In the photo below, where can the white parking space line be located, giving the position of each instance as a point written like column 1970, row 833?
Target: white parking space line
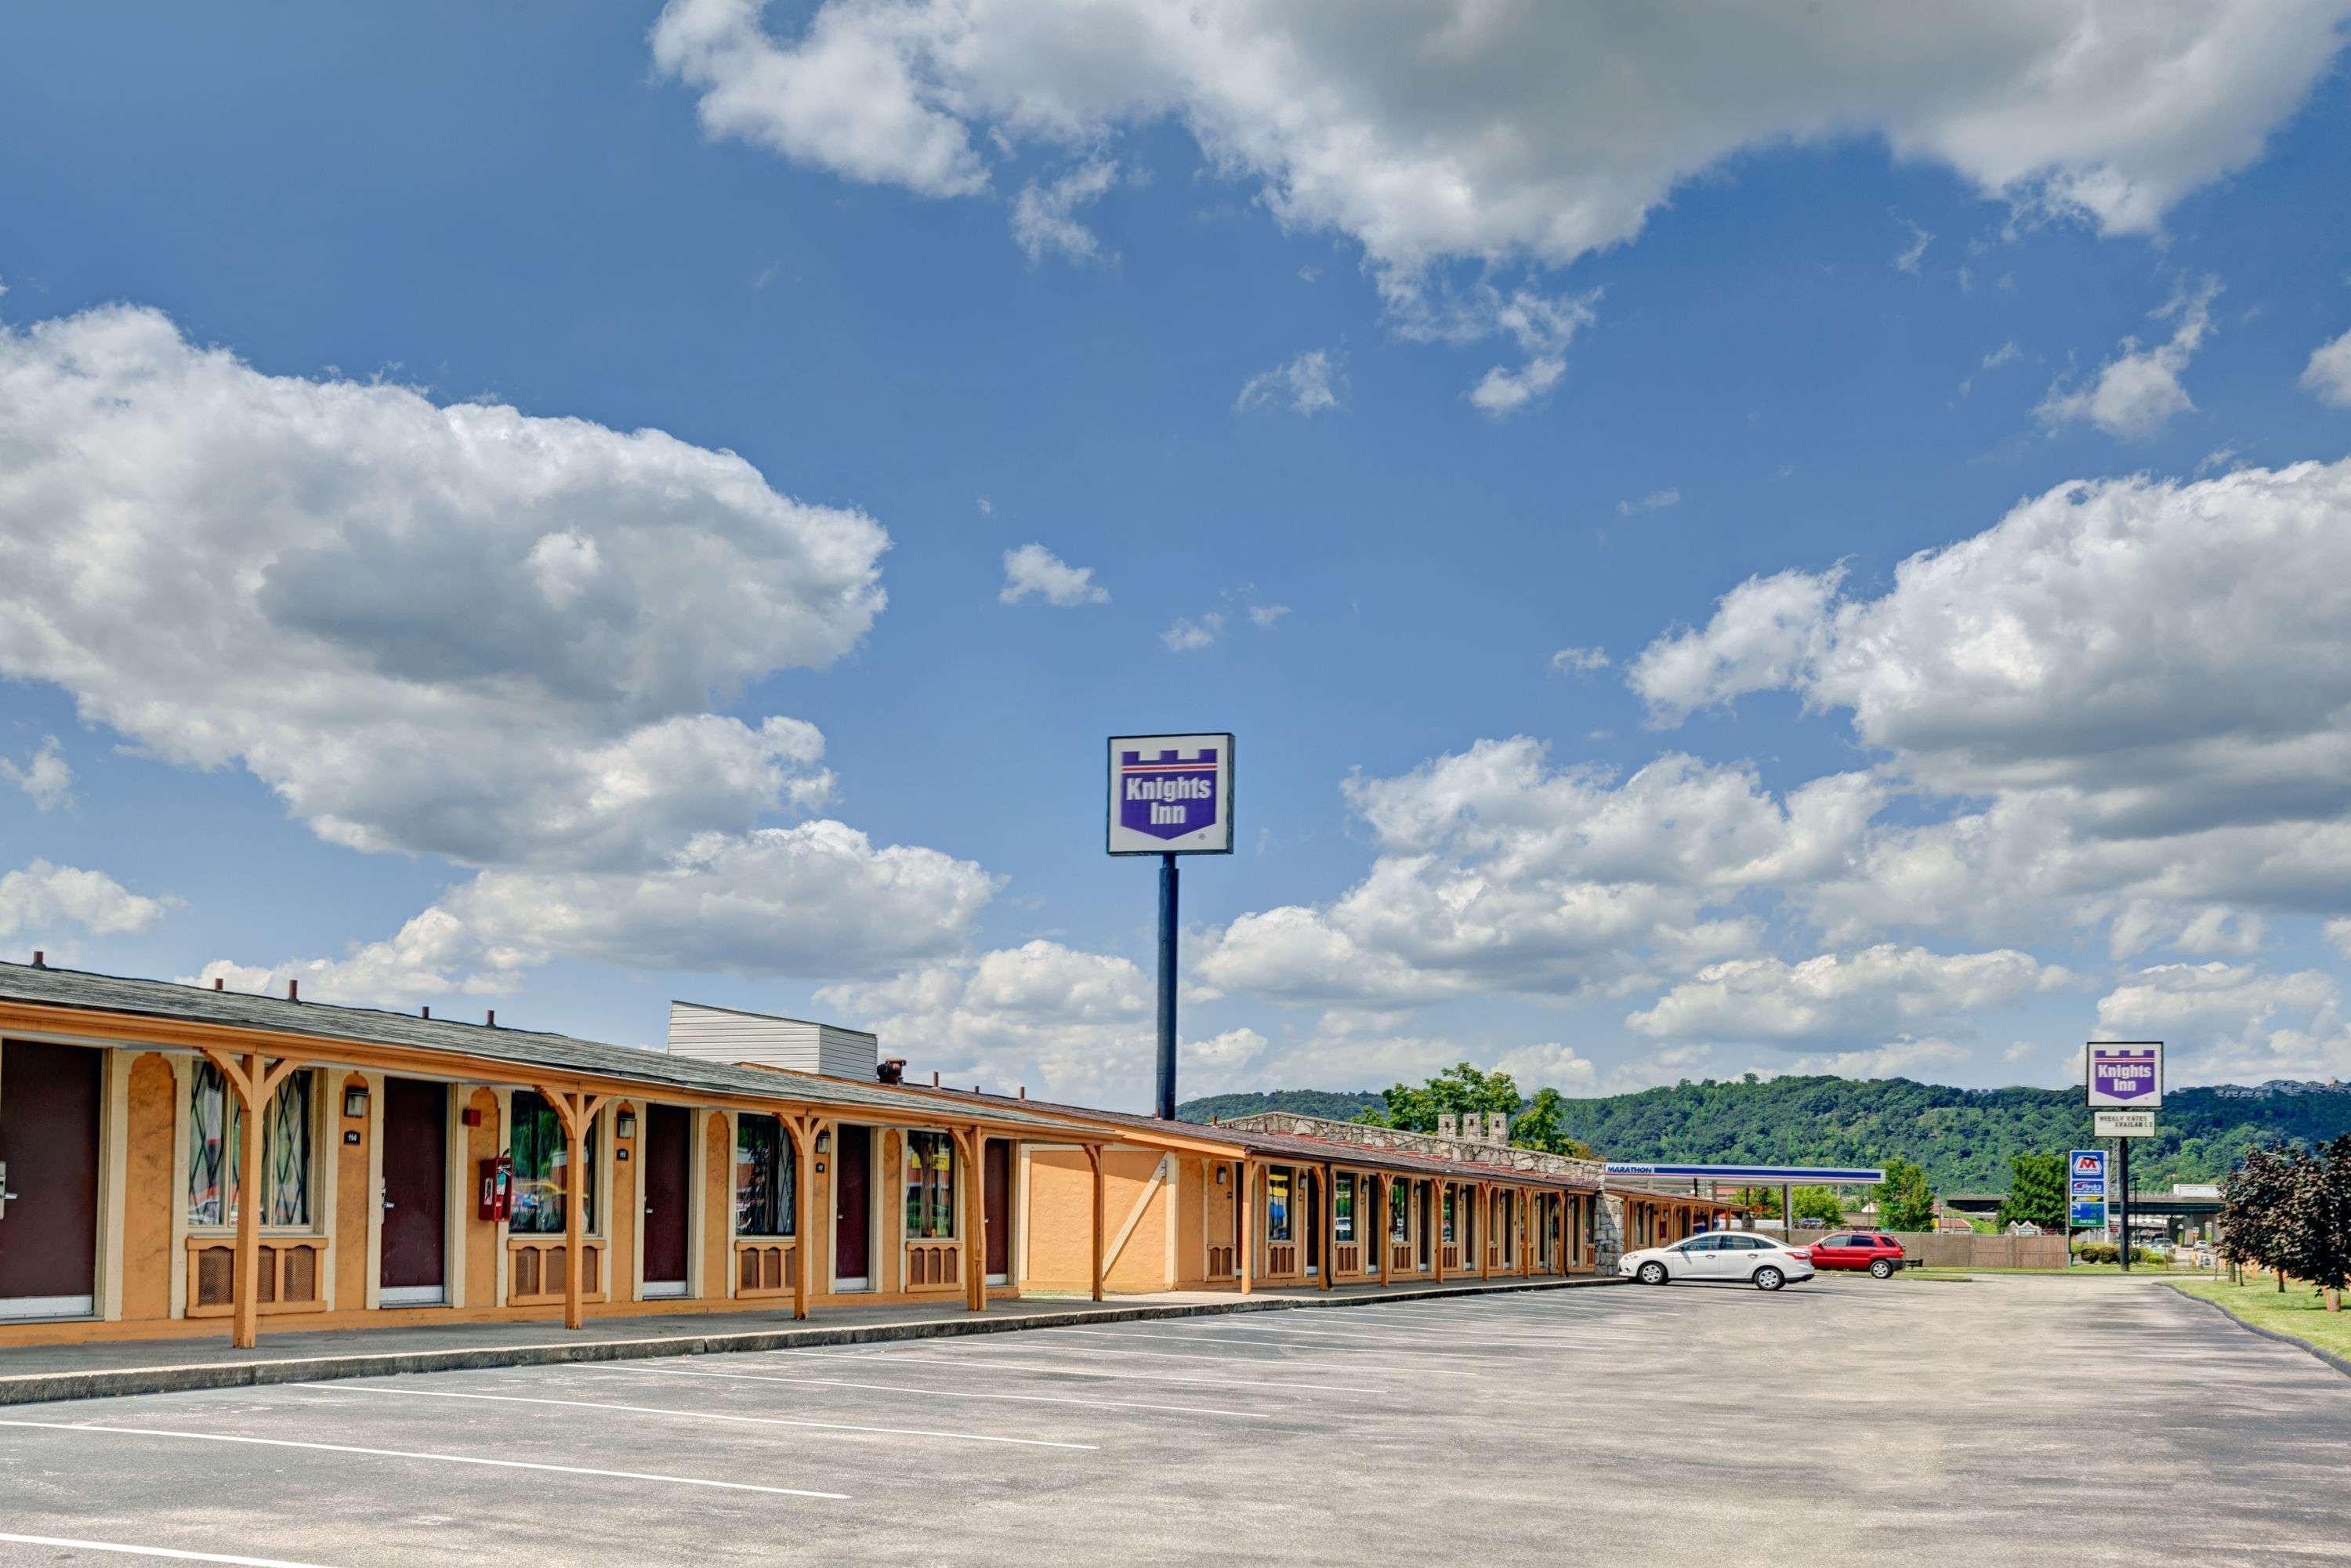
column 1231, row 1344
column 1034, row 1369
column 1351, row 1337
column 693, row 1414
column 949, row 1393
column 407, row 1454
column 120, row 1549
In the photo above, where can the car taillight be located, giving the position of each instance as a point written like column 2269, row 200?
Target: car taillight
column 1802, row 1254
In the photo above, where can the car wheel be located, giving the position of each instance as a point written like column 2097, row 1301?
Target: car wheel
column 1651, row 1274
column 1881, row 1269
column 1767, row 1278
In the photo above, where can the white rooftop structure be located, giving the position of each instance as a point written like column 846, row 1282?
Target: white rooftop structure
column 724, row 1034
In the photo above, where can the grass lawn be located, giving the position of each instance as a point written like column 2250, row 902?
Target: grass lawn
column 2298, row 1313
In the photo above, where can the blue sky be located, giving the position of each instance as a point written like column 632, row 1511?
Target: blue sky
column 1509, row 420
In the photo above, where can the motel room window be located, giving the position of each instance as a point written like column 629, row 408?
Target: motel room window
column 1343, row 1207
column 1399, row 1198
column 930, row 1187
column 216, row 1145
column 765, row 1198
column 1277, row 1203
column 538, row 1170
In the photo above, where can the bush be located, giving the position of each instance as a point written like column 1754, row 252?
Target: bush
column 2109, row 1252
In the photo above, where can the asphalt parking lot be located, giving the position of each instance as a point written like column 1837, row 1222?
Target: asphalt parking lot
column 1844, row 1421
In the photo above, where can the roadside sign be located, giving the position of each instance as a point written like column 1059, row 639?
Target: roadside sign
column 2123, row 1123
column 1171, row 794
column 2127, row 1073
column 2086, row 1188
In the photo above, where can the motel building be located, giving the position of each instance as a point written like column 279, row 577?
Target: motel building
column 407, row 1169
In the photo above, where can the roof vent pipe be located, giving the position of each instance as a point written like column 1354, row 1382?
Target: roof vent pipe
column 493, row 1022
column 935, row 1079
column 1024, row 1091
column 219, row 984
column 293, row 990
column 39, row 959
column 427, row 1012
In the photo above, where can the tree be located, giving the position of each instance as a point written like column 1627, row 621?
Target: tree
column 2036, row 1192
column 1905, row 1201
column 2314, row 1220
column 1459, row 1088
column 1539, row 1126
column 1818, row 1203
column 2252, row 1202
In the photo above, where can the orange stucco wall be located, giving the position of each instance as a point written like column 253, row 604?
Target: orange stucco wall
column 621, row 1227
column 147, row 1218
column 1060, row 1220
column 1191, row 1262
column 482, row 1142
column 352, row 1190
column 717, row 1203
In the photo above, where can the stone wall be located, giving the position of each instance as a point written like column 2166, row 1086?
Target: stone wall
column 1532, row 1161
column 1608, row 1232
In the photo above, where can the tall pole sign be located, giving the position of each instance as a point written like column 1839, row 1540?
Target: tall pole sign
column 1170, row 795
column 2123, row 1075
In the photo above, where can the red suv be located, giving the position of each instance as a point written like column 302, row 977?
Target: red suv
column 1870, row 1250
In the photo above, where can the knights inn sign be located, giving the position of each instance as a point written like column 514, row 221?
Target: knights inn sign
column 2126, row 1073
column 1171, row 794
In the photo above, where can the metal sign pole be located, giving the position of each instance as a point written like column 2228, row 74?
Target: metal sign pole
column 1167, row 988
column 2122, row 1172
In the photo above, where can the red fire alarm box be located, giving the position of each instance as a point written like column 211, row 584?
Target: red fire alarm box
column 498, row 1189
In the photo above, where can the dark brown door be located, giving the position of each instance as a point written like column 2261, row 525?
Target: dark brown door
column 668, row 1176
column 997, row 1200
column 415, row 1190
column 48, row 1144
column 852, row 1170
column 1313, row 1180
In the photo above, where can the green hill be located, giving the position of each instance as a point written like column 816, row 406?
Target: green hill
column 1962, row 1136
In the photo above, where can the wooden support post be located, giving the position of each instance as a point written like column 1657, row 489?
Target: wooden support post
column 803, row 1129
column 1330, row 1226
column 254, row 1082
column 975, row 1229
column 1438, row 1193
column 246, row 1328
column 576, row 1111
column 1248, row 1238
column 1094, row 1158
column 1520, row 1219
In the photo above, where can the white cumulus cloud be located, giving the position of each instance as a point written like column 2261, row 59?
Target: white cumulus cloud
column 45, row 776
column 2328, row 377
column 43, row 897
column 1032, row 572
column 2136, row 390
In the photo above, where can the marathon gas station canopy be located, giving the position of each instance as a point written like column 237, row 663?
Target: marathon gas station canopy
column 1631, row 1173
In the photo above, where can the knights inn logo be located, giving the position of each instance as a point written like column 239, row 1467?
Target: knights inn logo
column 1169, row 796
column 2119, row 1076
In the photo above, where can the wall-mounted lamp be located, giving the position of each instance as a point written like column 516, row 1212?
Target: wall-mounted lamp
column 824, row 1143
column 625, row 1124
column 1220, row 1175
column 355, row 1100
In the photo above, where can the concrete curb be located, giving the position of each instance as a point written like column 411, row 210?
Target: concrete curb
column 2340, row 1364
column 42, row 1387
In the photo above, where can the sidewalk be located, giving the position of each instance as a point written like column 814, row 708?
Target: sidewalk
column 35, row 1373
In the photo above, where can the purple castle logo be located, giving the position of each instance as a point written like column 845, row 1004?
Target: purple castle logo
column 1168, row 796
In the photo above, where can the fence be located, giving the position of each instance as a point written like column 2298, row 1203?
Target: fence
column 1944, row 1249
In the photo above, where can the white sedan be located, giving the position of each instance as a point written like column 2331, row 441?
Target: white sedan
column 1728, row 1255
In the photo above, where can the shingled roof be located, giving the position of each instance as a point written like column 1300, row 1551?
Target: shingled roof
column 524, row 1049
